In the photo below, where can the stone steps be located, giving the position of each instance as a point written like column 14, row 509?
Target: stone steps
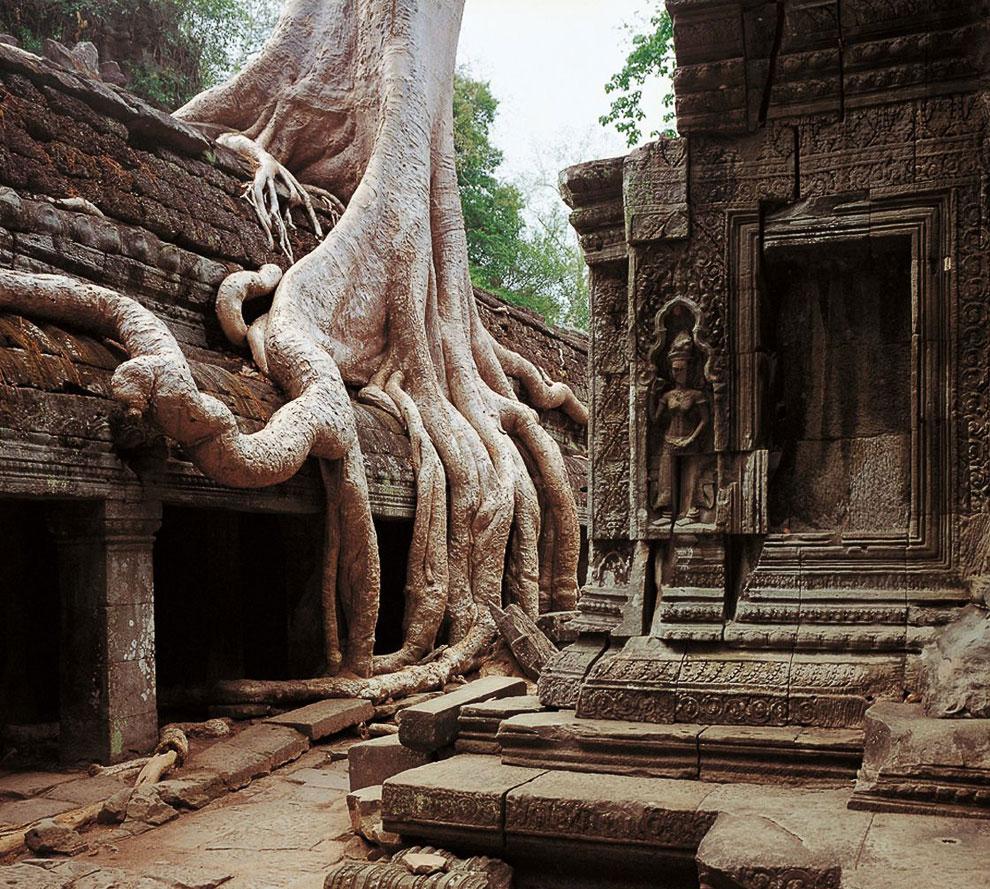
column 757, row 754
column 590, row 830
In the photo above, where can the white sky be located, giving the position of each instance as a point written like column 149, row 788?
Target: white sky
column 548, row 62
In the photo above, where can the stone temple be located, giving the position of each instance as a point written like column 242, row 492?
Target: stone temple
column 778, row 673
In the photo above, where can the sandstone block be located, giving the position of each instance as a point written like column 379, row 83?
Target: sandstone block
column 325, row 718
column 365, row 808
column 191, row 791
column 279, row 743
column 371, row 762
column 115, row 808
column 915, row 763
column 433, row 724
column 235, row 766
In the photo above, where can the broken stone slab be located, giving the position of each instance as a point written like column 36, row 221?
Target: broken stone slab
column 365, row 808
column 916, row 763
column 115, row 808
column 279, row 743
column 325, row 718
column 147, row 806
column 433, row 724
column 48, row 837
column 235, row 766
column 746, row 851
column 457, row 801
column 528, row 643
column 372, row 761
column 450, row 873
column 478, row 724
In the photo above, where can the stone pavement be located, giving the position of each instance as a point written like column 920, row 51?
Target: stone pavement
column 281, row 832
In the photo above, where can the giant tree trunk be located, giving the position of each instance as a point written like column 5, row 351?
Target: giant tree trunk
column 355, row 96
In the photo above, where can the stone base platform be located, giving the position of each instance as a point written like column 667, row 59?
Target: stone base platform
column 919, row 765
column 566, row 828
column 649, row 680
column 759, row 754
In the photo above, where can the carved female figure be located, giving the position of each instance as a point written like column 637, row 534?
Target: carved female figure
column 685, row 414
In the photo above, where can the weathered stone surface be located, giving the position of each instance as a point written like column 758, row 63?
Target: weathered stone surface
column 915, row 763
column 459, row 799
column 24, row 811
column 279, row 744
column 371, row 762
column 957, row 667
column 235, row 766
column 747, row 851
column 325, row 718
column 48, row 837
column 433, row 724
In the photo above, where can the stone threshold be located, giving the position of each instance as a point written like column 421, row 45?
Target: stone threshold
column 756, row 754
column 594, row 829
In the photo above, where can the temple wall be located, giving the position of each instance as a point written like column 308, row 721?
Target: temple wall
column 810, row 252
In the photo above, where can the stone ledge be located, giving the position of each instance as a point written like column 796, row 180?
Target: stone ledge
column 757, row 754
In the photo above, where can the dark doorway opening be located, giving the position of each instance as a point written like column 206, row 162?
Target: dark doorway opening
column 29, row 626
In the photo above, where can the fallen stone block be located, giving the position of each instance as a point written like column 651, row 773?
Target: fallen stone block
column 236, row 766
column 371, row 762
column 365, row 808
column 325, row 718
column 529, row 644
column 147, row 806
column 433, row 724
column 191, row 791
column 115, row 808
column 279, row 743
column 48, row 837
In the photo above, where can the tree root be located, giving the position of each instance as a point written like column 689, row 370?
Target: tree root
column 262, row 193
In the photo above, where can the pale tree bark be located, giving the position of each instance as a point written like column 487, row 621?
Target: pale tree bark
column 354, row 97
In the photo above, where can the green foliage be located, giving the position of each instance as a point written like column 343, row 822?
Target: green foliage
column 652, row 55
column 536, row 266
column 169, row 50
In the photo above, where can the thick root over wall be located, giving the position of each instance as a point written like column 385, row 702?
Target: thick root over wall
column 354, row 97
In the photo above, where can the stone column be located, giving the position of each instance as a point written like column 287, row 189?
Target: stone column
column 108, row 706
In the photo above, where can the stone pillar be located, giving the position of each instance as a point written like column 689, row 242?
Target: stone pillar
column 107, row 702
